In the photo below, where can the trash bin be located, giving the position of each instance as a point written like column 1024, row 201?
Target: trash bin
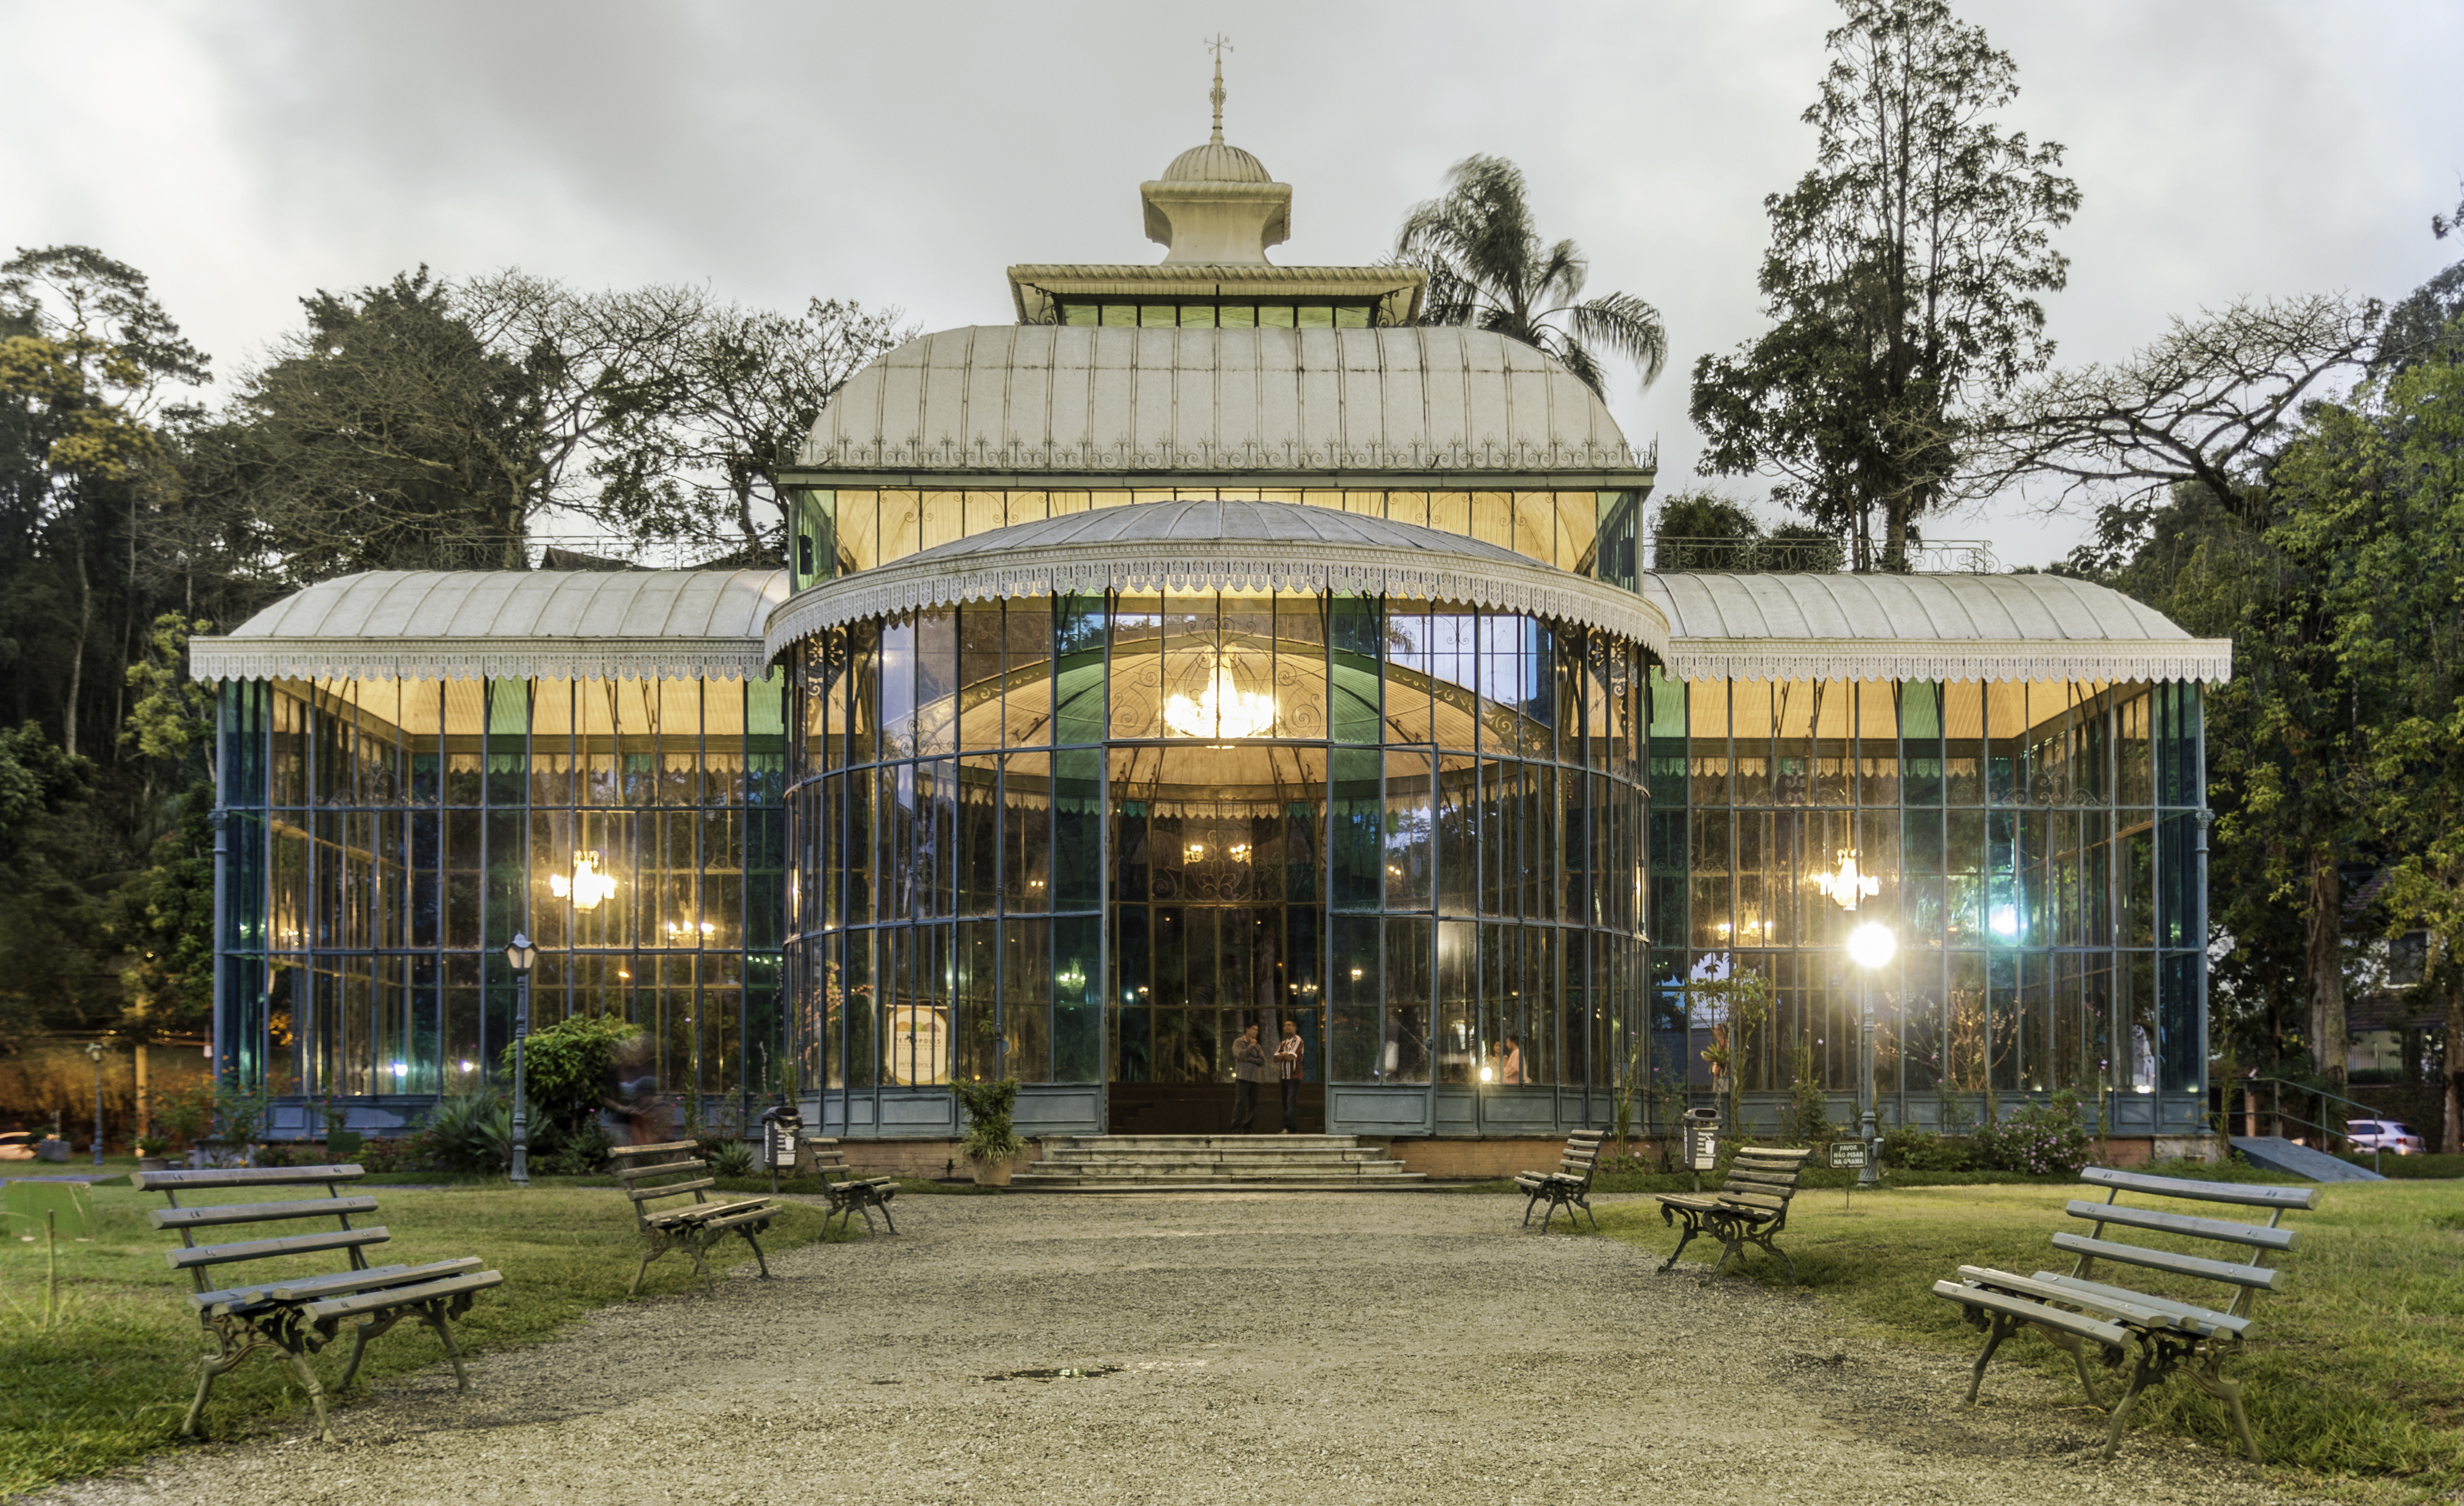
column 1701, row 1139
column 781, row 1124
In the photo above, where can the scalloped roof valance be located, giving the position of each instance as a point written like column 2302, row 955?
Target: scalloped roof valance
column 1226, row 546
column 505, row 624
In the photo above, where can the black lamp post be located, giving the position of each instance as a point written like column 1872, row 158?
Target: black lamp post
column 93, row 1051
column 522, row 956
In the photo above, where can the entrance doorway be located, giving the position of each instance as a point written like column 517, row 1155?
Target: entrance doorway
column 1216, row 923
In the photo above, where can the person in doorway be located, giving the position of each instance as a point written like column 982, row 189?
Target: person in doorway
column 1288, row 1069
column 1249, row 1069
column 1512, row 1071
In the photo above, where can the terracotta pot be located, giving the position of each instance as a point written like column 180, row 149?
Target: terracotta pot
column 993, row 1173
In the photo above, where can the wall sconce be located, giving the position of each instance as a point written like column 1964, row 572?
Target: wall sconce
column 587, row 888
column 1848, row 886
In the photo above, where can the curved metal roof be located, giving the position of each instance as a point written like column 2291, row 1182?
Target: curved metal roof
column 1064, row 399
column 510, row 624
column 1217, row 546
column 1821, row 626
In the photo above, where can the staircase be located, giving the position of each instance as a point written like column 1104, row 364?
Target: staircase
column 2275, row 1153
column 1214, row 1163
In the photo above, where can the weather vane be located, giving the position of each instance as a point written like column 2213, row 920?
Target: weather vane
column 1219, row 44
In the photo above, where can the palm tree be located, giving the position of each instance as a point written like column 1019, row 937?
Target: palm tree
column 1489, row 267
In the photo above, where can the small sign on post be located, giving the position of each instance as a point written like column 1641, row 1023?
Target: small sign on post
column 1848, row 1155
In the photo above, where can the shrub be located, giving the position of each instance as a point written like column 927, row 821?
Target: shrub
column 2041, row 1139
column 734, row 1159
column 1916, row 1150
column 471, row 1132
column 566, row 1069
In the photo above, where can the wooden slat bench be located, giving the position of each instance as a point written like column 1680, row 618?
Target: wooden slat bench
column 1570, row 1185
column 1749, row 1208
column 847, row 1193
column 300, row 1315
column 2167, row 1334
column 696, row 1227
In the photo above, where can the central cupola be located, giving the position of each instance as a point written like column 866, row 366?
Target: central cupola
column 1216, row 205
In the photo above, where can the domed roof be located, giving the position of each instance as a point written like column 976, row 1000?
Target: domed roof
column 1069, row 399
column 1216, row 161
column 1201, row 546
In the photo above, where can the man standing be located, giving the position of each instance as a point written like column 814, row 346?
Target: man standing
column 1249, row 1069
column 1288, row 1065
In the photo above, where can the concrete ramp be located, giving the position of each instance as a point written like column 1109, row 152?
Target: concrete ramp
column 2275, row 1153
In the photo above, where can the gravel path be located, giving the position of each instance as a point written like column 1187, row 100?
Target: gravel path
column 1319, row 1347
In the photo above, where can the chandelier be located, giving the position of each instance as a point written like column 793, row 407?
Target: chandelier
column 1223, row 710
column 1849, row 885
column 587, row 887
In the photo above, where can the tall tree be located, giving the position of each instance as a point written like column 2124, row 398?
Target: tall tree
column 1903, row 282
column 1489, row 267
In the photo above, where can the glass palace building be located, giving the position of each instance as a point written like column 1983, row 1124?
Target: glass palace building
column 1216, row 645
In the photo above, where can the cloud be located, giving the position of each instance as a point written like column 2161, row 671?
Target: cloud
column 246, row 153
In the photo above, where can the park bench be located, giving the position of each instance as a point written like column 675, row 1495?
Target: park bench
column 1570, row 1185
column 694, row 1228
column 1749, row 1208
column 846, row 1193
column 2077, row 1314
column 299, row 1315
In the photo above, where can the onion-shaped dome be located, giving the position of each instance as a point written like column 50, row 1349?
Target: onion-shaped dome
column 1216, row 161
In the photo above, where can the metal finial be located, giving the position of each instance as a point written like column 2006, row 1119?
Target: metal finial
column 1219, row 44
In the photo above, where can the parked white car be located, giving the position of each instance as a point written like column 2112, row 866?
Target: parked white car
column 2386, row 1135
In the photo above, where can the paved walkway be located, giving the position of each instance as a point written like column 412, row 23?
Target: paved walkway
column 1328, row 1347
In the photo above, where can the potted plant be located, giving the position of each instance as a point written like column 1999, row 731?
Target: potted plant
column 992, row 1143
column 149, row 1153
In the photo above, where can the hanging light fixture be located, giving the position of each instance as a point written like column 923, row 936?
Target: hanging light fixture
column 1850, row 885
column 588, row 887
column 1222, row 710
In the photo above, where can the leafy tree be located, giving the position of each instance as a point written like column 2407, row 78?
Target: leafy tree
column 1489, row 267
column 1901, row 281
column 1700, row 530
column 753, row 381
column 2204, row 405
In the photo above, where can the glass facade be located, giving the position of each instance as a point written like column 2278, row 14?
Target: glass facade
column 2035, row 850
column 850, row 529
column 1084, row 840
column 386, row 839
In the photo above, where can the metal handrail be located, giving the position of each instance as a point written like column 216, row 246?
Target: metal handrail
column 2277, row 1112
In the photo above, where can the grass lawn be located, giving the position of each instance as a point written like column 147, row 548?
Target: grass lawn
column 111, row 1381
column 2355, row 1369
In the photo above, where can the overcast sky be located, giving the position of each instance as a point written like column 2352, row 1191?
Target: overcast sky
column 243, row 154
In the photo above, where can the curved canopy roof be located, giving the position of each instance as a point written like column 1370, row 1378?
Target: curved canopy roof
column 506, row 624
column 1814, row 625
column 1075, row 400
column 1227, row 545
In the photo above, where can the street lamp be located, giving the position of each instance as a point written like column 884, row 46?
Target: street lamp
column 1870, row 946
column 93, row 1053
column 522, row 956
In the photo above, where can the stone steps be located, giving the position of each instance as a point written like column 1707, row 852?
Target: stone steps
column 1204, row 1162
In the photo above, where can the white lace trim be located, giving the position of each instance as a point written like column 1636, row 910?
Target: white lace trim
column 949, row 454
column 477, row 658
column 1234, row 564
